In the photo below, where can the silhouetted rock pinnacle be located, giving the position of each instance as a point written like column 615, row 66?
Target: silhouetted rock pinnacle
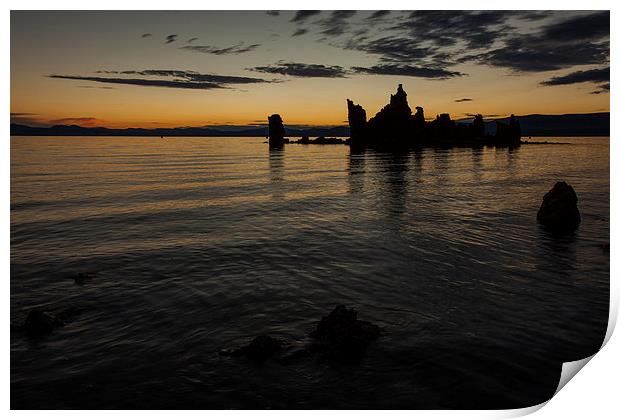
column 478, row 127
column 276, row 130
column 357, row 119
column 395, row 127
column 508, row 134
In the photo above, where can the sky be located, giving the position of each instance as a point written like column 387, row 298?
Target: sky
column 203, row 68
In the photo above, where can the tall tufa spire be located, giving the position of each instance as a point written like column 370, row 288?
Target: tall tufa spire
column 400, row 97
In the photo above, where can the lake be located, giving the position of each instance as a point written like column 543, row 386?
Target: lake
column 200, row 244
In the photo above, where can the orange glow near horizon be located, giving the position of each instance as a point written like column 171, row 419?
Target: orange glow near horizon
column 110, row 45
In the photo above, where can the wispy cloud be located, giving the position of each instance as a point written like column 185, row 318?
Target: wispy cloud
column 336, row 23
column 82, row 121
column 27, row 118
column 595, row 75
column 604, row 88
column 95, row 87
column 300, row 31
column 443, row 40
column 379, row 14
column 302, row 70
column 406, row 70
column 578, row 40
column 209, row 49
column 179, row 79
column 302, row 15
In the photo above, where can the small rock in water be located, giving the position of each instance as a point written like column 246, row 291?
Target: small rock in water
column 559, row 210
column 40, row 323
column 260, row 349
column 81, row 278
column 342, row 337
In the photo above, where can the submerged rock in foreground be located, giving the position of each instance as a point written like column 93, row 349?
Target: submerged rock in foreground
column 39, row 323
column 338, row 337
column 342, row 337
column 558, row 210
column 260, row 349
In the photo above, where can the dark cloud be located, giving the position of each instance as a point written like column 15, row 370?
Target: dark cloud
column 378, row 15
column 302, row 70
column 578, row 40
column 146, row 35
column 589, row 27
column 595, row 75
column 464, row 100
column 604, row 88
column 273, row 12
column 532, row 14
column 336, row 23
column 171, row 38
column 166, row 78
column 188, row 76
column 443, row 28
column 189, row 41
column 302, row 15
column 389, row 49
column 27, row 118
column 443, row 39
column 234, row 49
column 300, row 31
column 142, row 82
column 406, row 70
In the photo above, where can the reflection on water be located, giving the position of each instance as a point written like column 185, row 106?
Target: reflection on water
column 200, row 244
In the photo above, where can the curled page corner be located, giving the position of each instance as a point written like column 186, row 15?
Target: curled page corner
column 569, row 370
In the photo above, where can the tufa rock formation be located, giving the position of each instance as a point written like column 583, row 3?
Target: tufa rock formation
column 276, row 130
column 558, row 210
column 508, row 134
column 357, row 119
column 395, row 126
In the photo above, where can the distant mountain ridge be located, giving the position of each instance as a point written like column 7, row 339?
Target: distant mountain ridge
column 594, row 124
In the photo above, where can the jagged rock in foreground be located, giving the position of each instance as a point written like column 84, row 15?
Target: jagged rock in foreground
column 558, row 210
column 276, row 130
column 340, row 336
column 39, row 323
column 260, row 349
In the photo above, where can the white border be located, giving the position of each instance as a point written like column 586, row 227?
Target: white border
column 593, row 394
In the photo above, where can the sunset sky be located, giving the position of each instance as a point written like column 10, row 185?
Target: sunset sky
column 170, row 69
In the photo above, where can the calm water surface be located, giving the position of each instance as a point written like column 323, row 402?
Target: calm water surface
column 200, row 244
